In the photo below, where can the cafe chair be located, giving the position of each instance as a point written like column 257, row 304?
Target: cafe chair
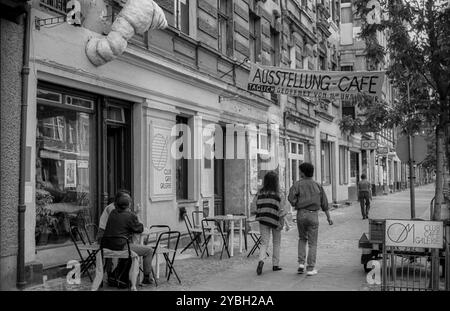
column 211, row 228
column 105, row 253
column 152, row 235
column 237, row 230
column 194, row 235
column 88, row 246
column 167, row 245
column 254, row 233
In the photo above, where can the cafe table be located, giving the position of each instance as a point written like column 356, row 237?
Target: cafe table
column 222, row 219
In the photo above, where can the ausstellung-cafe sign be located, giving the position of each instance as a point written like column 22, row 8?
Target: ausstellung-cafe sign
column 318, row 84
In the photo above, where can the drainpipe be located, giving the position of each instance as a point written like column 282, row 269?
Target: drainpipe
column 23, row 134
column 286, row 156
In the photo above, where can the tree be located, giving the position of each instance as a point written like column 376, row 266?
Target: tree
column 417, row 54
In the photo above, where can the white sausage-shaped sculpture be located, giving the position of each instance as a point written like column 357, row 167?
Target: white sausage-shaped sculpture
column 137, row 16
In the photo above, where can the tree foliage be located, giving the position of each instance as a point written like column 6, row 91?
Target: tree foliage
column 417, row 51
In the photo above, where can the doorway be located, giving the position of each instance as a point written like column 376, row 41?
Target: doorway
column 219, row 179
column 118, row 150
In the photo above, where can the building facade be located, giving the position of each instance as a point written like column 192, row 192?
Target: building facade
column 94, row 130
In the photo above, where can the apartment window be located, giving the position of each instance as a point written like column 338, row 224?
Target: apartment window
column 343, row 165
column 224, row 16
column 347, row 68
column 322, row 63
column 255, row 38
column 182, row 172
column 326, row 162
column 182, row 15
column 347, row 15
column 274, row 47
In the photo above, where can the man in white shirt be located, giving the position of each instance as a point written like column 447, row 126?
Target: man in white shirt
column 104, row 217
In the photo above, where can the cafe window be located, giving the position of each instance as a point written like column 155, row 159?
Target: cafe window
column 326, row 162
column 64, row 164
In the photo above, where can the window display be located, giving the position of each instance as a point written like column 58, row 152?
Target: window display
column 63, row 167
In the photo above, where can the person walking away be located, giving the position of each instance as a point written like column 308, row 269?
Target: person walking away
column 270, row 214
column 308, row 197
column 122, row 222
column 364, row 196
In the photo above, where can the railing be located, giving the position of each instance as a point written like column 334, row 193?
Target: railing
column 54, row 5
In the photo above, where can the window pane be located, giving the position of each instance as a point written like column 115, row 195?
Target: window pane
column 184, row 16
column 63, row 172
column 294, row 168
column 182, row 167
column 346, row 15
column 293, row 148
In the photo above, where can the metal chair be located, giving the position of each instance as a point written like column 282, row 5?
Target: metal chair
column 211, row 228
column 156, row 230
column 194, row 235
column 127, row 253
column 168, row 249
column 255, row 235
column 89, row 245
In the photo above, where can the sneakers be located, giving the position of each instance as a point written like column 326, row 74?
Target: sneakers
column 276, row 268
column 301, row 268
column 259, row 268
column 312, row 272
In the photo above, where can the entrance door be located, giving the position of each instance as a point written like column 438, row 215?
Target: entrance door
column 118, row 150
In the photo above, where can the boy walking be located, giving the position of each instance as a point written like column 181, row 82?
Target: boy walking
column 308, row 197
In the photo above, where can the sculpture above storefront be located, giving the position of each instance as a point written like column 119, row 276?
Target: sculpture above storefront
column 136, row 17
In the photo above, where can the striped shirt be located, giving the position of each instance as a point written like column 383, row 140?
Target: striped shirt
column 267, row 209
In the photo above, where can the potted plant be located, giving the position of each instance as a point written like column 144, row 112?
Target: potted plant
column 44, row 218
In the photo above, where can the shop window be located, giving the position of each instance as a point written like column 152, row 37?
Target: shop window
column 326, row 162
column 343, row 165
column 182, row 165
column 63, row 168
column 224, row 18
column 296, row 157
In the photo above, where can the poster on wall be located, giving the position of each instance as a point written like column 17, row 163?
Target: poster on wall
column 70, row 173
column 161, row 171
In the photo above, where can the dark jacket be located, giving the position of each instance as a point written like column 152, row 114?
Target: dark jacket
column 308, row 194
column 120, row 223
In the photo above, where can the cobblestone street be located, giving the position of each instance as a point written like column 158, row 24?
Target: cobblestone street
column 338, row 256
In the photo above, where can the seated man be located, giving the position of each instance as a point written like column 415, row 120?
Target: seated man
column 122, row 222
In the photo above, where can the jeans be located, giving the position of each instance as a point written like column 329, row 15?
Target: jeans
column 146, row 252
column 265, row 237
column 364, row 200
column 308, row 232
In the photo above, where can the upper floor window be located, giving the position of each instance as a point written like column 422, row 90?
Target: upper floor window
column 274, row 47
column 177, row 13
column 224, row 18
column 255, row 38
column 347, row 15
column 347, row 68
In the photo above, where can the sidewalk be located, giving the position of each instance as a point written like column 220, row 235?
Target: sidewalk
column 338, row 258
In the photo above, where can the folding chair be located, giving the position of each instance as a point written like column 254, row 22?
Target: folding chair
column 81, row 233
column 255, row 235
column 155, row 230
column 194, row 235
column 168, row 249
column 211, row 228
column 120, row 254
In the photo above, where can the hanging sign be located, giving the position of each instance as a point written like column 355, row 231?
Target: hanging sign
column 318, row 84
column 369, row 144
